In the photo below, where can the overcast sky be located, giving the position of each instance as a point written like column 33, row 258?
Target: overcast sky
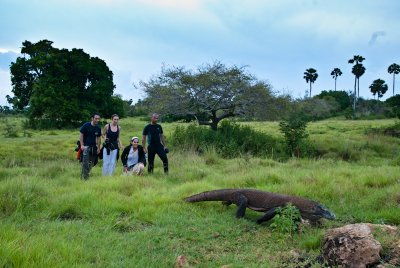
column 276, row 40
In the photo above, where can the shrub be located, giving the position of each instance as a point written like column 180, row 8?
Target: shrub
column 294, row 131
column 10, row 130
column 230, row 140
column 287, row 219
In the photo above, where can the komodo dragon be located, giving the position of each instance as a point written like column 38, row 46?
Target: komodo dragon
column 264, row 202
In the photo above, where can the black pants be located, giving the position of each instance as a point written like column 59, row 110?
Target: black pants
column 152, row 151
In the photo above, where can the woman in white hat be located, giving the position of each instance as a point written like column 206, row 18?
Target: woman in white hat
column 133, row 158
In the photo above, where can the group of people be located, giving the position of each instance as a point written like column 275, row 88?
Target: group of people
column 133, row 156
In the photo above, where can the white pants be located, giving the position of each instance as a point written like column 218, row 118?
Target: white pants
column 137, row 169
column 109, row 162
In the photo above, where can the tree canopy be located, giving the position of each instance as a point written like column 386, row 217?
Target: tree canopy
column 310, row 75
column 378, row 87
column 61, row 85
column 211, row 93
column 394, row 69
column 336, row 72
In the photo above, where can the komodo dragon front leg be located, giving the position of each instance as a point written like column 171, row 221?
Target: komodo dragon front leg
column 241, row 202
column 268, row 215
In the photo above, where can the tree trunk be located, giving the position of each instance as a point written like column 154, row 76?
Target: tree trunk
column 394, row 80
column 358, row 87
column 335, row 83
column 310, row 89
column 354, row 97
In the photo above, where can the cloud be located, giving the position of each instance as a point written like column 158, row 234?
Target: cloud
column 375, row 36
column 6, row 57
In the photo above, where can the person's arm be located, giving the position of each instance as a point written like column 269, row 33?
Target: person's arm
column 105, row 132
column 144, row 143
column 124, row 159
column 118, row 139
column 164, row 140
column 81, row 141
column 98, row 143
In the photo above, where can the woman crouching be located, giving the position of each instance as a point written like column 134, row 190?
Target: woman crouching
column 133, row 158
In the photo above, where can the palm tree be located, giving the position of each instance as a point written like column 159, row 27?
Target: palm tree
column 394, row 69
column 357, row 71
column 310, row 75
column 335, row 73
column 378, row 87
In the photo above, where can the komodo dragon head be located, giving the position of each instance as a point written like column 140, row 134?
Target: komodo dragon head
column 316, row 212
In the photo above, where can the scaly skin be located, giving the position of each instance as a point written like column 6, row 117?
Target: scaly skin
column 264, row 202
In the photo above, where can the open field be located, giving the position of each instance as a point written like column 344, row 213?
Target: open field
column 51, row 218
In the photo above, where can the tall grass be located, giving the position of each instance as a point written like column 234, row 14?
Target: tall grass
column 51, row 218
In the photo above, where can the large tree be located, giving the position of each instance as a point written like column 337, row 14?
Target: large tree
column 394, row 69
column 210, row 93
column 358, row 70
column 310, row 75
column 335, row 73
column 378, row 87
column 61, row 85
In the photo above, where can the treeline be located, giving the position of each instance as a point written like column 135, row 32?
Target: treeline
column 61, row 88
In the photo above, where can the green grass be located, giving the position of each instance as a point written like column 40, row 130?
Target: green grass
column 51, row 218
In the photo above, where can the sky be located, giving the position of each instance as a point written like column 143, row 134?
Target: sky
column 277, row 40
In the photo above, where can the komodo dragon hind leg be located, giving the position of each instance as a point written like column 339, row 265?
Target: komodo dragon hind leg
column 268, row 215
column 226, row 203
column 242, row 205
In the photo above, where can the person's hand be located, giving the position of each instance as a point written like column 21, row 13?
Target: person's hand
column 98, row 150
column 82, row 148
column 145, row 150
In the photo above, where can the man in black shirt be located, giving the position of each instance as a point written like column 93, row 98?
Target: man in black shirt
column 153, row 133
column 90, row 138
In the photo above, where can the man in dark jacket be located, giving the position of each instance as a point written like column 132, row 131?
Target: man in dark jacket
column 90, row 138
column 154, row 135
column 133, row 158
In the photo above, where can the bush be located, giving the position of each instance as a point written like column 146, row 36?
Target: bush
column 287, row 219
column 230, row 140
column 10, row 130
column 294, row 131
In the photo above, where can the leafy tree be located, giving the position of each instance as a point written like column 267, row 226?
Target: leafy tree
column 378, row 87
column 358, row 70
column 310, row 75
column 61, row 86
column 335, row 73
column 294, row 131
column 211, row 93
column 394, row 69
column 341, row 97
column 394, row 104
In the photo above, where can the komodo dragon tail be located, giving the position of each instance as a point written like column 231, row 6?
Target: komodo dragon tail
column 215, row 195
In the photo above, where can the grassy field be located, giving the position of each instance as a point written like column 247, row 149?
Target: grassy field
column 51, row 218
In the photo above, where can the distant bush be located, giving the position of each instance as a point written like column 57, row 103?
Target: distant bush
column 10, row 130
column 230, row 140
column 294, row 131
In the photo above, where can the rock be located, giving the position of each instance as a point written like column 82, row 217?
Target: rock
column 351, row 246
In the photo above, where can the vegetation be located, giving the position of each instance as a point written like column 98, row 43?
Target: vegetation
column 378, row 87
column 61, row 88
column 310, row 75
column 210, row 94
column 50, row 218
column 335, row 74
column 394, row 69
column 358, row 70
